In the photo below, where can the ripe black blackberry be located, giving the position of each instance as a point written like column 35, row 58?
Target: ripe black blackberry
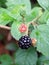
column 25, row 42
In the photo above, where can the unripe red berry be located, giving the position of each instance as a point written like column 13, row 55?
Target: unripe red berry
column 23, row 28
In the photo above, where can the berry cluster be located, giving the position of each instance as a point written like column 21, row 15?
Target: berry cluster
column 25, row 42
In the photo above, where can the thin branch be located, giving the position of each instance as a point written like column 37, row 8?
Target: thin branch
column 33, row 21
column 5, row 27
column 26, row 33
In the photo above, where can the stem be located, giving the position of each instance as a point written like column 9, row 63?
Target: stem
column 23, row 18
column 5, row 27
column 33, row 21
column 26, row 31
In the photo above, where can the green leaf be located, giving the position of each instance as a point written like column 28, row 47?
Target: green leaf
column 26, row 57
column 4, row 17
column 48, row 22
column 11, row 46
column 14, row 11
column 43, row 60
column 2, row 3
column 5, row 60
column 43, row 19
column 15, row 30
column 35, row 12
column 44, row 4
column 42, row 36
column 26, row 3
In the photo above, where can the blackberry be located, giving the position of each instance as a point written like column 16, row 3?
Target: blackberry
column 25, row 42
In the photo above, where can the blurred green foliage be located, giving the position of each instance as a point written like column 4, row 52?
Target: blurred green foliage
column 15, row 12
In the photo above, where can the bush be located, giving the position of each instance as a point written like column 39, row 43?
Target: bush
column 29, row 19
